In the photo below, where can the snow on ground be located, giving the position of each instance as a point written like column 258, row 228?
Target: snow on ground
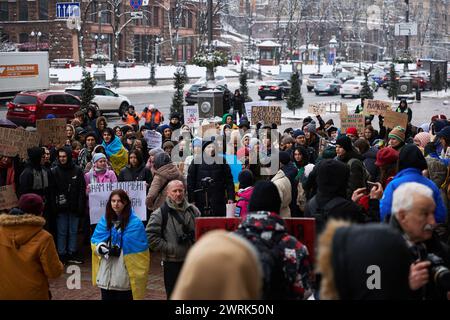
column 437, row 95
column 137, row 73
column 307, row 69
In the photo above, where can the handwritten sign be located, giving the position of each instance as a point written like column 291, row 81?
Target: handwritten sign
column 268, row 115
column 207, row 130
column 321, row 108
column 52, row 131
column 249, row 105
column 8, row 151
column 153, row 138
column 376, row 107
column 20, row 139
column 353, row 120
column 8, row 198
column 99, row 195
column 393, row 119
column 317, row 109
column 191, row 115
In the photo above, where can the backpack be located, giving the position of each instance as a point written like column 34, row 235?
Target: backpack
column 321, row 214
column 366, row 173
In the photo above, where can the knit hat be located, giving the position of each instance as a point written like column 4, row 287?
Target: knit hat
column 423, row 137
column 265, row 197
column 98, row 156
column 411, row 157
column 287, row 139
column 352, row 130
column 168, row 144
column 331, row 129
column 35, row 155
column 245, row 179
column 345, row 143
column 284, row 157
column 444, row 133
column 438, row 117
column 155, row 151
column 438, row 125
column 197, row 142
column 307, row 120
column 161, row 159
column 329, row 152
column 311, row 127
column 386, row 156
column 175, row 115
column 31, row 203
column 397, row 133
column 297, row 133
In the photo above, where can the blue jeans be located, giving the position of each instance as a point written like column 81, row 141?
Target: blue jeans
column 66, row 233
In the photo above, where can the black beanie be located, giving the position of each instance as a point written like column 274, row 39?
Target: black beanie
column 161, row 159
column 345, row 142
column 284, row 157
column 411, row 157
column 35, row 155
column 265, row 197
column 245, row 179
column 332, row 177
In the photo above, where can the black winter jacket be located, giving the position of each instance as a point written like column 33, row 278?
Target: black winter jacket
column 136, row 174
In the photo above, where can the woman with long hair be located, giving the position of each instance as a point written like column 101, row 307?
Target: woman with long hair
column 120, row 255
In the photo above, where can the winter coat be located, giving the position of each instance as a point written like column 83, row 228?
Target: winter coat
column 369, row 163
column 243, row 199
column 358, row 175
column 411, row 175
column 84, row 157
column 218, row 193
column 165, row 241
column 95, row 177
column 28, row 183
column 285, row 190
column 292, row 172
column 136, row 174
column 158, row 189
column 28, row 258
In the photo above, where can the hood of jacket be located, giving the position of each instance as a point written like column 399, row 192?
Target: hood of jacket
column 370, row 154
column 35, row 156
column 17, row 230
column 411, row 157
column 68, row 152
column 168, row 172
column 332, row 178
column 345, row 253
column 224, row 118
column 98, row 121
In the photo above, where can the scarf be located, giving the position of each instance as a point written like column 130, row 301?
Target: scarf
column 182, row 207
column 40, row 179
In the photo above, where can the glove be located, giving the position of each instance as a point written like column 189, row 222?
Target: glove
column 103, row 250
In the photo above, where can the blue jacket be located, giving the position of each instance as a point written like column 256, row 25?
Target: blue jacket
column 411, row 175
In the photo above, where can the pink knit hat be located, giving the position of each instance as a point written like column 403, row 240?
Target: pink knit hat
column 423, row 138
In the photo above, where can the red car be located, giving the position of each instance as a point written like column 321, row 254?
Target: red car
column 29, row 106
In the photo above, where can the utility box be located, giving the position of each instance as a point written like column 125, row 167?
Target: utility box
column 100, row 76
column 210, row 103
column 405, row 87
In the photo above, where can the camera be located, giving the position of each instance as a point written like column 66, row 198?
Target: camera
column 114, row 251
column 187, row 236
column 207, row 182
column 438, row 271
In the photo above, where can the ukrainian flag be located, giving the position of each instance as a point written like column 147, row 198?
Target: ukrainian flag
column 135, row 252
column 117, row 154
column 236, row 168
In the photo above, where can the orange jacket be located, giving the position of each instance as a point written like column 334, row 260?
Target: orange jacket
column 158, row 117
column 131, row 119
column 28, row 258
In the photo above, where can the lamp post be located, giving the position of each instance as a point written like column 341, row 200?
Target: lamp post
column 332, row 58
column 37, row 35
column 152, row 81
column 360, row 59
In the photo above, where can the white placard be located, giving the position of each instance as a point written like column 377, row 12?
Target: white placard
column 191, row 115
column 99, row 195
column 153, row 138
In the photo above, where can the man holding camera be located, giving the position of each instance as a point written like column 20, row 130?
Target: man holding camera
column 413, row 215
column 131, row 118
column 171, row 230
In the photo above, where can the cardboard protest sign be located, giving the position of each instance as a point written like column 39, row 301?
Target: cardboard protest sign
column 99, row 195
column 8, row 197
column 153, row 138
column 317, row 109
column 268, row 115
column 376, row 107
column 353, row 120
column 343, row 111
column 207, row 130
column 393, row 119
column 191, row 115
column 249, row 105
column 8, row 151
column 18, row 138
column 52, row 131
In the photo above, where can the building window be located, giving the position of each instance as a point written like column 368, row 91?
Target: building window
column 23, row 10
column 43, row 9
column 4, row 16
column 155, row 16
column 189, row 20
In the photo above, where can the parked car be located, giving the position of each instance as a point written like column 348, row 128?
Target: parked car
column 372, row 83
column 448, row 78
column 345, row 75
column 329, row 86
column 62, row 63
column 352, row 88
column 105, row 100
column 218, row 80
column 311, row 80
column 29, row 106
column 191, row 95
column 421, row 80
column 377, row 75
column 386, row 79
column 128, row 63
column 274, row 88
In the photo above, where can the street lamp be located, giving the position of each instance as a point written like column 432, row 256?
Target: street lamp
column 332, row 55
column 361, row 57
column 158, row 40
column 37, row 35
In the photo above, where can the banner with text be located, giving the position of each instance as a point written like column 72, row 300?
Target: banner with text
column 99, row 195
column 153, row 138
column 52, row 131
column 191, row 115
column 352, row 120
column 268, row 115
column 18, row 138
column 249, row 105
column 376, row 107
column 393, row 119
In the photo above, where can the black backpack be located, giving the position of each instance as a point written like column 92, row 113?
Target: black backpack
column 321, row 214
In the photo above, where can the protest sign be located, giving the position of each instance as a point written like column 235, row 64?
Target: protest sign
column 343, row 111
column 20, row 139
column 249, row 105
column 207, row 130
column 393, row 119
column 52, row 131
column 266, row 114
column 317, row 109
column 8, row 198
column 191, row 115
column 8, row 151
column 352, row 120
column 153, row 138
column 321, row 108
column 376, row 107
column 99, row 195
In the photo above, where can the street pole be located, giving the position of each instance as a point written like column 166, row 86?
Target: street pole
column 407, row 38
column 210, row 69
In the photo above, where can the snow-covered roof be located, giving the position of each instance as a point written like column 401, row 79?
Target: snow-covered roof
column 232, row 38
column 268, row 43
column 220, row 44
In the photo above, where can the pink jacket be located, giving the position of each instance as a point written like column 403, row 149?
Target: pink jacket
column 108, row 176
column 243, row 197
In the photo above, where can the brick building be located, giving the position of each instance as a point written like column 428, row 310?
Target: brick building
column 20, row 19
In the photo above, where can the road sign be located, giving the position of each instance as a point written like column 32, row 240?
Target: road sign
column 406, row 29
column 137, row 15
column 66, row 10
column 135, row 4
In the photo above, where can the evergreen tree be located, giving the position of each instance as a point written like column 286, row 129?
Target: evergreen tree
column 366, row 91
column 393, row 83
column 178, row 99
column 243, row 76
column 437, row 81
column 87, row 89
column 295, row 99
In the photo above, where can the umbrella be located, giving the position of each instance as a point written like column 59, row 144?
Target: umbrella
column 5, row 123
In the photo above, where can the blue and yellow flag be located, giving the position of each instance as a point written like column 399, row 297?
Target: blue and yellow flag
column 117, row 154
column 135, row 252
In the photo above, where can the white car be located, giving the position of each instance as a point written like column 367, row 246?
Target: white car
column 352, row 88
column 219, row 80
column 105, row 100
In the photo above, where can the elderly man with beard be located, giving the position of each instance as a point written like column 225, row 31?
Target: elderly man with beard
column 413, row 215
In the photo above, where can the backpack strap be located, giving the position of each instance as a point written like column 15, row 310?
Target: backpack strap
column 165, row 217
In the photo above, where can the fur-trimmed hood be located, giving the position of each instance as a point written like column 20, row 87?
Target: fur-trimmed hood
column 17, row 230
